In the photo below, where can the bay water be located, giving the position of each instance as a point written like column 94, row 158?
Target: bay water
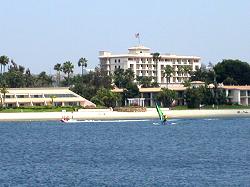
column 187, row 152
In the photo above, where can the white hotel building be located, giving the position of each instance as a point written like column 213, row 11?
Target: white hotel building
column 140, row 60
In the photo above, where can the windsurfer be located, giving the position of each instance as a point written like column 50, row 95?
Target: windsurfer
column 164, row 121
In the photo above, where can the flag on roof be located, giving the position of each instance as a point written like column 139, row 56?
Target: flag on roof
column 137, row 35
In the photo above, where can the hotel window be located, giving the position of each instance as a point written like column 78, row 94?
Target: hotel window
column 115, row 67
column 36, row 96
column 130, row 58
column 119, row 60
column 115, row 60
column 20, row 96
column 9, row 96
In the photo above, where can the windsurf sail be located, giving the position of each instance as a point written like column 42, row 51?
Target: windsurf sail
column 160, row 113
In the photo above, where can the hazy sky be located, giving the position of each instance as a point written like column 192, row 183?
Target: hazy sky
column 40, row 33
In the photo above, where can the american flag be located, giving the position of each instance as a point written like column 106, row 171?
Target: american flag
column 137, row 35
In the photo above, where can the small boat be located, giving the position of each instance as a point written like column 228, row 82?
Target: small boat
column 69, row 120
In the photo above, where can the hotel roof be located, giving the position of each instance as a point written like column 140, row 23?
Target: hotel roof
column 246, row 87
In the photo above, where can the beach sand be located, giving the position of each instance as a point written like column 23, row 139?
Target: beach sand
column 106, row 114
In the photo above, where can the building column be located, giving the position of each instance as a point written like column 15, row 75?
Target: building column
column 151, row 99
column 247, row 98
column 158, row 69
column 238, row 97
column 134, row 69
column 226, row 92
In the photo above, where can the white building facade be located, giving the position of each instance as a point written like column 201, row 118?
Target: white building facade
column 238, row 94
column 62, row 96
column 140, row 60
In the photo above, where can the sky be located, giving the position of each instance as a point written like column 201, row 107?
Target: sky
column 41, row 33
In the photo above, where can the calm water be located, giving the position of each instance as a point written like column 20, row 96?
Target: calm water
column 198, row 152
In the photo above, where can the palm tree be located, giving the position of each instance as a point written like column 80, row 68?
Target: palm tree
column 83, row 63
column 52, row 97
column 4, row 60
column 156, row 58
column 3, row 91
column 168, row 70
column 181, row 70
column 68, row 69
column 187, row 69
column 58, row 67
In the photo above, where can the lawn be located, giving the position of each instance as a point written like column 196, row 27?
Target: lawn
column 215, row 107
column 38, row 109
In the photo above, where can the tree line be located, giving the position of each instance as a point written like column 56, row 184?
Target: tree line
column 97, row 85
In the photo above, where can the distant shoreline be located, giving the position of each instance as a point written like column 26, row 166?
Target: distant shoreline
column 104, row 114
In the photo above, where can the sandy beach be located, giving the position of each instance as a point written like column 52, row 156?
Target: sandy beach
column 106, row 114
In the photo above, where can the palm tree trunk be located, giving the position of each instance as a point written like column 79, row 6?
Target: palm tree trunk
column 68, row 79
column 59, row 78
column 82, row 71
column 4, row 95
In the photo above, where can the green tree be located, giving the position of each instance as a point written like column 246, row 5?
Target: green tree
column 155, row 84
column 123, row 78
column 186, row 83
column 106, row 97
column 229, row 81
column 15, row 79
column 88, row 85
column 145, row 82
column 199, row 75
column 82, row 63
column 29, row 79
column 237, row 70
column 181, row 70
column 4, row 60
column 58, row 68
column 194, row 97
column 131, row 91
column 44, row 80
column 168, row 70
column 156, row 58
column 4, row 91
column 187, row 70
column 99, row 79
column 166, row 97
column 68, row 69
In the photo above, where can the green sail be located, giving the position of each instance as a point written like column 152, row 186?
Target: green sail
column 160, row 113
